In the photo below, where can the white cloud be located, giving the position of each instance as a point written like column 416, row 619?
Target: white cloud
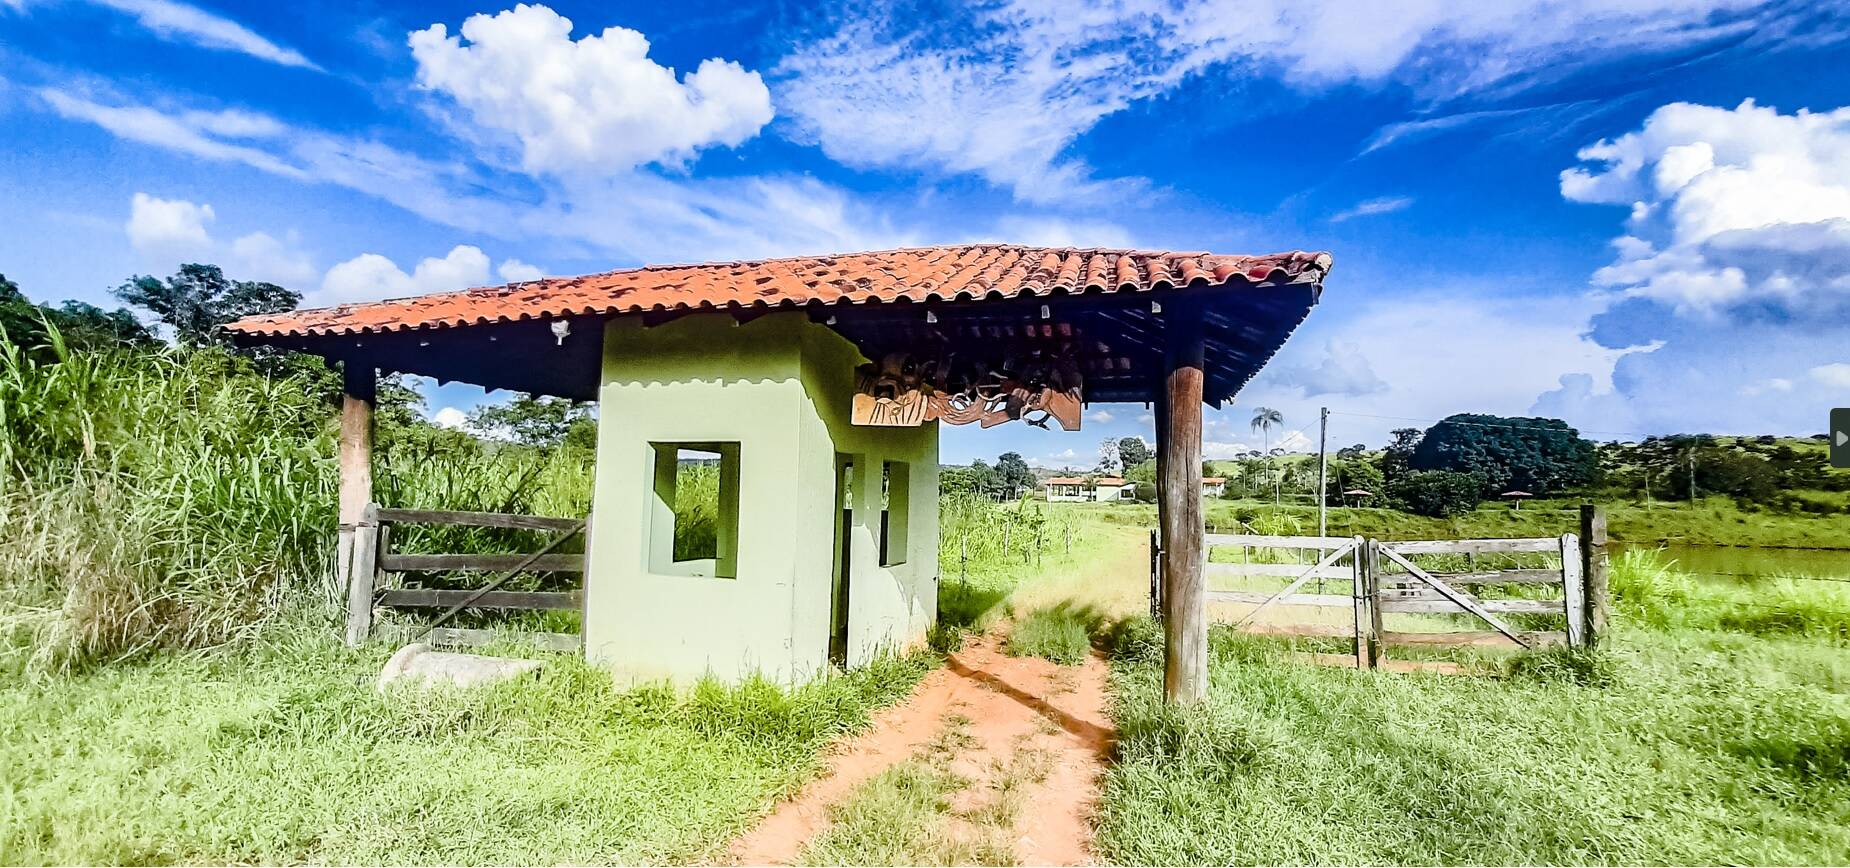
column 371, row 277
column 450, row 417
column 1101, row 416
column 1004, row 92
column 597, row 103
column 180, row 22
column 262, row 256
column 1766, row 386
column 163, row 227
column 1730, row 208
column 515, row 271
column 1371, row 207
column 1835, row 375
column 1343, row 370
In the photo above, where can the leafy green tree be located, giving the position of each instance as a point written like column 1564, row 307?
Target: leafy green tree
column 80, row 326
column 1013, row 473
column 1435, row 493
column 1142, row 471
column 199, row 299
column 537, row 421
column 1399, row 451
column 1508, row 453
column 1132, row 451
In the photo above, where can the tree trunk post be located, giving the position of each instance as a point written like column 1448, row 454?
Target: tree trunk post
column 1185, row 628
column 359, row 387
column 1593, row 571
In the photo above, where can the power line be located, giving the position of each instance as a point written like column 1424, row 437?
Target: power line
column 1483, row 424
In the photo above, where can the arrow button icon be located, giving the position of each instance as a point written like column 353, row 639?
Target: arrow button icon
column 1840, row 437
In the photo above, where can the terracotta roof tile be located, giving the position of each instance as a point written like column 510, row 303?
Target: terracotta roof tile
column 915, row 274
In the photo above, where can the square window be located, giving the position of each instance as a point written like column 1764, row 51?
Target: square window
column 895, row 502
column 694, row 523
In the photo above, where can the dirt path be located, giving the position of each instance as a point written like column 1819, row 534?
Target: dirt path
column 1016, row 712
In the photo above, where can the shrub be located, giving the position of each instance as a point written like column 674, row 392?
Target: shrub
column 1062, row 634
column 1134, row 640
column 1207, row 741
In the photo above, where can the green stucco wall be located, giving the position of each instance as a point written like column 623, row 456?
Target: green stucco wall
column 780, row 387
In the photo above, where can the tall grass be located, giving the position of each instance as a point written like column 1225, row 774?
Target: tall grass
column 183, row 498
column 1648, row 588
column 155, row 499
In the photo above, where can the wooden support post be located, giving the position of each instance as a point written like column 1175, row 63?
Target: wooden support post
column 1359, row 590
column 1371, row 572
column 1178, row 442
column 1156, row 576
column 357, row 537
column 1573, row 591
column 1593, row 571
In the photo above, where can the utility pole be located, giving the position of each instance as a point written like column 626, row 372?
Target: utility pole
column 1692, row 473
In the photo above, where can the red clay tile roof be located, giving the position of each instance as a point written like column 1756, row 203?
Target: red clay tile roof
column 979, row 271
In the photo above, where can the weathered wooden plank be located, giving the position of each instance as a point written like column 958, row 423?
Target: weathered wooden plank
column 365, row 570
column 1277, row 542
column 1358, row 584
column 1485, row 577
column 1185, row 623
column 1445, row 607
column 1259, row 597
column 1593, row 570
column 1474, row 546
column 480, row 563
column 1319, row 631
column 433, row 598
column 564, row 642
column 478, row 519
column 1573, row 590
column 1490, row 638
column 1291, row 571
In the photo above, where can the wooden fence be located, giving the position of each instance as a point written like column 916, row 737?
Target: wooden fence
column 378, row 571
column 1366, row 579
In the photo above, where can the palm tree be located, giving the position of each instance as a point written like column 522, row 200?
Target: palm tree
column 1264, row 420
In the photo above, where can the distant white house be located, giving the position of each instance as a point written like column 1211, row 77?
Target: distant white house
column 1213, row 486
column 1080, row 489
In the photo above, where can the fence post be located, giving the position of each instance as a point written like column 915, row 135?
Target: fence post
column 1376, row 636
column 1593, row 571
column 1358, row 589
column 364, row 573
column 1156, row 577
column 1573, row 591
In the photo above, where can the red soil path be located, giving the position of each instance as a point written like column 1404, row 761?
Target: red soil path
column 1015, row 705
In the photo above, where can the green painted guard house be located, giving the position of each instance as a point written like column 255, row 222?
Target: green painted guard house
column 813, row 388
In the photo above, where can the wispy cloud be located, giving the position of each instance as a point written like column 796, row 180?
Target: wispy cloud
column 1006, row 91
column 1371, row 207
column 180, row 22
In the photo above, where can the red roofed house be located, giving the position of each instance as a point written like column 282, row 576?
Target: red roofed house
column 813, row 387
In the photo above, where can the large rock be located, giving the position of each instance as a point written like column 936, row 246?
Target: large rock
column 418, row 664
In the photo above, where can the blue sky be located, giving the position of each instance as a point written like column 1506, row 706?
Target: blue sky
column 1635, row 216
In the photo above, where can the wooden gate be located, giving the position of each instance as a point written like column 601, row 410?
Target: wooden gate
column 1374, row 578
column 376, row 566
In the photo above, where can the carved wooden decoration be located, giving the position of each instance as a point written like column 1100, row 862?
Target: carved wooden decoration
column 903, row 391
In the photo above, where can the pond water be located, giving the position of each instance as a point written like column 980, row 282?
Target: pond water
column 1747, row 563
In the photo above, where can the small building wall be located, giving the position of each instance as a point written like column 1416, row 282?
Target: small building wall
column 780, row 388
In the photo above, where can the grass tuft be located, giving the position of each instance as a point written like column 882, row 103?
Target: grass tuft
column 1061, row 633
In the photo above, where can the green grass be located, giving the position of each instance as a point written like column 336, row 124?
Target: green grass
column 284, row 753
column 1675, row 745
column 1060, row 633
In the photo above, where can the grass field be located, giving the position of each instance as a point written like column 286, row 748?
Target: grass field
column 283, row 753
column 1707, row 733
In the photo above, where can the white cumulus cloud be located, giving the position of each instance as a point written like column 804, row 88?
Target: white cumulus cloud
column 596, row 103
column 450, row 417
column 515, row 271
column 371, row 276
column 1835, row 375
column 1730, row 208
column 175, row 227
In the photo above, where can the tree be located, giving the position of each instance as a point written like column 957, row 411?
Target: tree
column 1142, row 471
column 1435, row 493
column 1108, row 456
column 1132, row 451
column 1013, row 473
column 199, row 299
column 534, row 420
column 1264, row 420
column 1356, row 451
column 1508, row 453
column 81, row 326
column 1399, row 451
